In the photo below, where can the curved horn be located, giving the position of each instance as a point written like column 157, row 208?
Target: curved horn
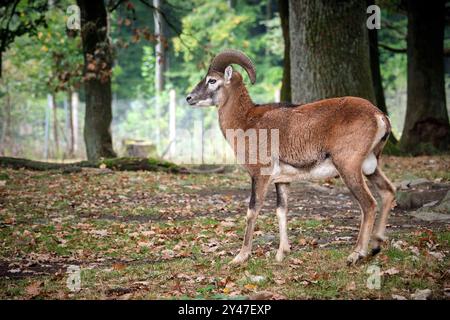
column 230, row 56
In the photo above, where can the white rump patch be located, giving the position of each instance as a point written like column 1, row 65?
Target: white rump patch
column 381, row 131
column 370, row 164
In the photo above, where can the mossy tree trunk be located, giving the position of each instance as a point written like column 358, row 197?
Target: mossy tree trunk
column 329, row 50
column 426, row 121
column 97, row 79
column 285, row 94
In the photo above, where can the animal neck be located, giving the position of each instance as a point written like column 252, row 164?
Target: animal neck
column 233, row 112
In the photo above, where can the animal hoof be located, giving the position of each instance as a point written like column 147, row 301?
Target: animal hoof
column 376, row 245
column 240, row 258
column 281, row 253
column 354, row 258
column 375, row 251
column 279, row 256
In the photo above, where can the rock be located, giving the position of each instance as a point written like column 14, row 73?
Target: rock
column 431, row 216
column 421, row 294
column 430, row 204
column 407, row 184
column 416, row 199
column 444, row 205
column 432, row 212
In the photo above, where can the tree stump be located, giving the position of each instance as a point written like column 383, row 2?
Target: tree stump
column 140, row 149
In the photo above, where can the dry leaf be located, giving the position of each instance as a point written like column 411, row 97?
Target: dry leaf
column 390, row 271
column 34, row 289
column 250, row 286
column 262, row 295
column 119, row 266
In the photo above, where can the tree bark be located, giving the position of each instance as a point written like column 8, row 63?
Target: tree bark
column 375, row 69
column 159, row 48
column 159, row 65
column 55, row 126
column 70, row 124
column 97, row 79
column 75, row 102
column 283, row 8
column 329, row 50
column 6, row 139
column 426, row 121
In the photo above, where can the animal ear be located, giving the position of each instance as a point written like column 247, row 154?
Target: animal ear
column 228, row 74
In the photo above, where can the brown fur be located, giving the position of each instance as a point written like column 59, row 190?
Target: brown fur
column 341, row 129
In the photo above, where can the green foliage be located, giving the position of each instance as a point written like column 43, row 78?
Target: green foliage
column 393, row 65
column 56, row 62
column 213, row 26
column 148, row 71
column 392, row 149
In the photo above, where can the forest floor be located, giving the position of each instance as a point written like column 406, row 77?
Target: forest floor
column 149, row 235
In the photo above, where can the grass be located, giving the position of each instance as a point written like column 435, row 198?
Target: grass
column 140, row 235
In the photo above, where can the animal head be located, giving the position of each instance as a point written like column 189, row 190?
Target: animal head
column 219, row 78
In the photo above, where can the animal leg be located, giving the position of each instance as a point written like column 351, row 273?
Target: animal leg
column 259, row 190
column 282, row 195
column 386, row 191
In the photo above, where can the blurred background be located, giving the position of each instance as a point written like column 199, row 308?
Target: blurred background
column 113, row 83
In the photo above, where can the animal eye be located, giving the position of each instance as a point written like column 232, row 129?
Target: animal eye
column 212, row 81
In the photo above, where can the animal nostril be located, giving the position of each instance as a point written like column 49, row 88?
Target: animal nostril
column 188, row 98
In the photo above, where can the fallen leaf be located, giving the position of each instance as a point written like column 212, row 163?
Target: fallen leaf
column 390, row 271
column 250, row 286
column 262, row 295
column 119, row 266
column 34, row 289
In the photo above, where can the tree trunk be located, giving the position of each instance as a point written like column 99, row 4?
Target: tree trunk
column 70, row 124
column 426, row 121
column 6, row 139
column 159, row 49
column 97, row 79
column 47, row 126
column 376, row 73
column 172, row 123
column 120, row 164
column 75, row 102
column 329, row 50
column 159, row 65
column 283, row 8
column 55, row 126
